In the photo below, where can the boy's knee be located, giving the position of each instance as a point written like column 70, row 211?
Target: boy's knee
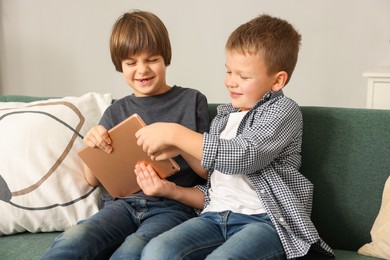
column 131, row 248
column 157, row 248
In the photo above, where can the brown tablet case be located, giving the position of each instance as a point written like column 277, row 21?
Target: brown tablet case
column 115, row 170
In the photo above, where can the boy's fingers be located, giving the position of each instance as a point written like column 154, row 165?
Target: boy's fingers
column 151, row 171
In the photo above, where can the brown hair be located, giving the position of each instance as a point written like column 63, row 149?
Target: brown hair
column 274, row 38
column 137, row 32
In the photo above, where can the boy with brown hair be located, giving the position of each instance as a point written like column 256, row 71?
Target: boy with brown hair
column 256, row 202
column 140, row 49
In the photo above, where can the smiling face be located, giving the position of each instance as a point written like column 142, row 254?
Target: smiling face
column 247, row 79
column 145, row 73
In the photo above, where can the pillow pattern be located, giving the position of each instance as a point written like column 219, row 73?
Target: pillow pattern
column 380, row 232
column 42, row 185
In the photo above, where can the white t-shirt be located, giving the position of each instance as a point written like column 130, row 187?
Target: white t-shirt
column 233, row 192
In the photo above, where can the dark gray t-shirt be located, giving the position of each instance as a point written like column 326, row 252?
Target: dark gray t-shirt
column 185, row 106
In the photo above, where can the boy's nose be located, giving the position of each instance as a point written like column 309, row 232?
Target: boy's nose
column 232, row 84
column 142, row 68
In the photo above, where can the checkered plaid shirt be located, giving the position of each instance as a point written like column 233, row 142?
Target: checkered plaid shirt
column 267, row 149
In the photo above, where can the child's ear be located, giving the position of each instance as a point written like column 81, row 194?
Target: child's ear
column 280, row 80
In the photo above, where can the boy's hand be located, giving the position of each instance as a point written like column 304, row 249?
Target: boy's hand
column 166, row 153
column 154, row 139
column 98, row 137
column 150, row 182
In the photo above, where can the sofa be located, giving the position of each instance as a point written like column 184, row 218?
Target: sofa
column 345, row 154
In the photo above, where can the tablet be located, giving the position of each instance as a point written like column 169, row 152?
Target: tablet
column 115, row 170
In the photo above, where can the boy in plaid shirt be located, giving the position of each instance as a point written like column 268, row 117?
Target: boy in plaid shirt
column 256, row 204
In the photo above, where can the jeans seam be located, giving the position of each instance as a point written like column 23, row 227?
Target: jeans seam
column 184, row 254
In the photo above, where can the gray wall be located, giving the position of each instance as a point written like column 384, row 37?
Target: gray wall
column 58, row 47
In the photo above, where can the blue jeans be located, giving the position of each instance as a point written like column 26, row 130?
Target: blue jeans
column 120, row 230
column 218, row 235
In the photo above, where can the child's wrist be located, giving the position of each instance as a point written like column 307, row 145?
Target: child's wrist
column 173, row 134
column 172, row 192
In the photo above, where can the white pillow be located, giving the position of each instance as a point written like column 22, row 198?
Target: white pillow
column 380, row 231
column 42, row 185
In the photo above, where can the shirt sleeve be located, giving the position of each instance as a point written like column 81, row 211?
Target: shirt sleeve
column 106, row 119
column 202, row 114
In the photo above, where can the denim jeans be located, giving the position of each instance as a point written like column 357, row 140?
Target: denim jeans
column 218, row 235
column 121, row 229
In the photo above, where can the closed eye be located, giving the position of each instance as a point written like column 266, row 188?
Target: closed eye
column 244, row 77
column 153, row 59
column 129, row 62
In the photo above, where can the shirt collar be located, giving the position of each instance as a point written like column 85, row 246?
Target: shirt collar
column 228, row 108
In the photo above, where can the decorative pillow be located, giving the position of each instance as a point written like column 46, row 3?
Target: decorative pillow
column 42, row 185
column 380, row 232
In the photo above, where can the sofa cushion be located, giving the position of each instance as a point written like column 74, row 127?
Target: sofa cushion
column 345, row 153
column 25, row 246
column 380, row 232
column 42, row 186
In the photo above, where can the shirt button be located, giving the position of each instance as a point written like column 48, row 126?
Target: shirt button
column 281, row 219
column 262, row 191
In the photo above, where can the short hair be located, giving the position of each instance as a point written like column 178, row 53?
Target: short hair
column 137, row 32
column 274, row 38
